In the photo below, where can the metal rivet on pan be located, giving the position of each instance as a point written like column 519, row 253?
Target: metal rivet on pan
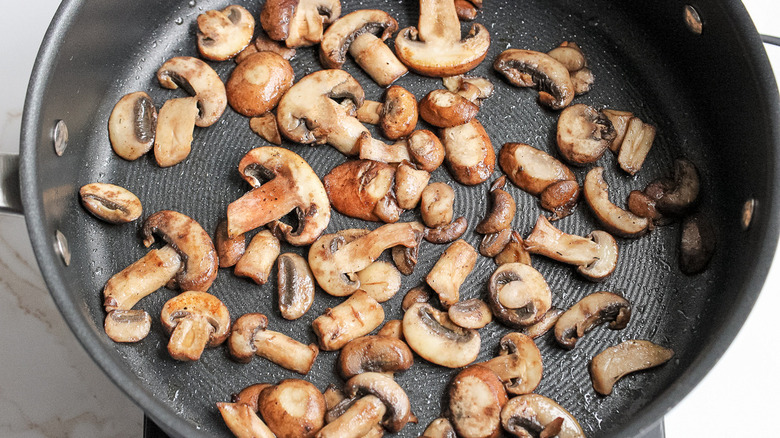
column 60, row 137
column 747, row 213
column 61, row 246
column 693, row 20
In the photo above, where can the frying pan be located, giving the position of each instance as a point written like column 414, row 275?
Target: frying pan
column 722, row 115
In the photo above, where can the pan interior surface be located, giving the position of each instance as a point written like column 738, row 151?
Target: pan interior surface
column 98, row 62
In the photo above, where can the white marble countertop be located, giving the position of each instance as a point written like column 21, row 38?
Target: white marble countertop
column 49, row 386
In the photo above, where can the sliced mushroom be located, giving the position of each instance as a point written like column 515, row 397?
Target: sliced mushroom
column 636, row 145
column 470, row 314
column 293, row 408
column 419, row 294
column 527, row 415
column 243, row 421
column 392, row 329
column 447, row 233
column 380, row 354
column 198, row 79
column 620, row 120
column 494, row 244
column 258, row 83
column 436, row 204
column 518, row 364
column 265, row 126
column 469, row 153
column 451, row 270
column 531, row 169
column 356, row 187
column 474, row 88
column 518, row 295
column 476, row 397
column 363, row 33
column 357, row 316
column 560, row 198
column 298, row 23
column 249, row 337
column 425, row 150
column 265, row 44
column 111, row 203
column 595, row 256
column 132, row 125
column 697, row 244
column 380, row 280
column 570, row 55
column 409, row 184
column 229, row 250
column 250, row 395
column 354, row 419
column 258, row 260
column 615, row 219
column 609, row 366
column 527, row 68
column 386, row 389
column 502, row 211
column 295, row 285
column 514, row 251
column 446, row 109
column 193, row 244
column 292, row 186
column 584, row 133
column 194, row 320
column 439, row 428
column 373, row 149
column 465, row 10
column 545, row 324
column 127, row 325
column 431, row 334
column 683, row 194
column 148, row 274
column 405, row 258
column 223, row 34
column 173, row 136
column 594, row 309
column 397, row 115
column 435, row 47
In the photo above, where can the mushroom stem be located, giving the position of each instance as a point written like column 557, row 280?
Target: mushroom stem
column 370, row 112
column 149, row 273
column 438, row 21
column 373, row 55
column 357, row 421
column 189, row 338
column 551, row 242
column 260, row 206
column 285, row 351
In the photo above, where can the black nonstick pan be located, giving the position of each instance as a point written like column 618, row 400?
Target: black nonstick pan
column 711, row 95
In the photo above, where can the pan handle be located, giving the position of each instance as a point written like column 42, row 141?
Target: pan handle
column 10, row 195
column 769, row 39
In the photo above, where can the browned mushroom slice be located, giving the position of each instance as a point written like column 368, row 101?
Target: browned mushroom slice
column 295, row 286
column 529, row 414
column 409, row 184
column 258, row 260
column 173, row 136
column 132, row 125
column 560, row 198
column 356, row 187
column 447, row 233
column 545, row 324
column 355, row 317
column 436, row 204
column 431, row 334
column 596, row 308
column 518, row 295
column 502, row 211
column 615, row 219
column 380, row 354
column 380, row 280
column 191, row 241
column 527, row 68
column 298, row 23
column 198, row 79
column 446, row 109
column 465, row 10
column 229, row 250
column 354, row 418
column 396, row 116
column 111, row 203
column 243, row 421
column 595, row 256
column 473, row 88
column 609, row 366
column 636, row 145
column 469, row 153
column 148, row 274
column 405, row 258
column 620, row 120
column 476, row 397
column 470, row 314
column 376, row 150
column 250, row 395
column 494, row 244
column 682, row 195
column 426, row 150
column 293, row 408
column 363, row 33
column 398, row 412
column 258, row 83
column 222, row 34
column 514, row 251
column 439, row 428
column 570, row 55
column 451, row 270
column 194, row 320
column 531, row 169
column 419, row 294
column 265, row 44
column 293, row 186
column 127, row 325
column 265, row 126
column 518, row 364
column 697, row 244
column 584, row 133
column 435, row 47
column 249, row 337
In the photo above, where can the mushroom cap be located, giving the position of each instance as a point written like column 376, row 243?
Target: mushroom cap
column 399, row 113
column 531, row 169
column 191, row 241
column 592, row 310
column 431, row 334
column 374, row 354
column 278, row 16
column 476, row 397
column 293, row 408
column 197, row 304
column 386, row 389
column 534, row 409
column 258, row 83
column 425, row 149
column 469, row 152
column 471, row 314
column 337, row 39
column 356, row 187
column 198, row 79
column 127, row 325
column 295, row 285
column 615, row 219
column 518, row 294
column 609, row 366
column 584, row 133
column 223, row 34
column 132, row 124
column 697, row 244
column 606, row 257
column 111, row 203
column 241, row 341
column 446, row 109
column 528, row 68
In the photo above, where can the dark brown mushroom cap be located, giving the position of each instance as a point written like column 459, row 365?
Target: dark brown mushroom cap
column 685, row 191
column 132, row 125
column 399, row 113
column 250, row 395
column 386, row 389
column 356, row 187
column 528, row 68
column 374, row 354
column 609, row 366
column 528, row 414
column 241, row 341
column 277, row 15
column 258, row 83
column 445, row 109
column 518, row 294
column 193, row 244
column 560, row 198
column 293, row 408
column 501, row 212
column 697, row 244
column 336, row 40
column 495, row 243
column 584, row 133
column 425, row 149
column 198, row 79
column 596, row 308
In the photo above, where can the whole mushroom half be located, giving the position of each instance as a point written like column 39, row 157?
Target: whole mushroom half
column 431, row 334
column 292, row 185
column 194, row 320
column 529, row 415
column 518, row 295
column 198, row 79
column 528, row 68
column 584, row 133
column 298, row 23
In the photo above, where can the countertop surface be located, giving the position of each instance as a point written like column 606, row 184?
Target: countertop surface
column 50, row 387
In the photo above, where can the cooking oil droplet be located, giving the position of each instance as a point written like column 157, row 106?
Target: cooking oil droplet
column 192, row 3
column 178, row 20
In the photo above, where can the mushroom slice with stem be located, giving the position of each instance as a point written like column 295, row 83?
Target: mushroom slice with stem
column 514, row 251
column 545, row 324
column 292, row 186
column 111, row 203
column 397, row 115
column 570, row 55
column 470, row 314
column 474, row 88
column 451, row 270
column 357, row 316
column 223, row 34
column 250, row 337
column 584, row 133
column 518, row 295
column 354, row 418
column 476, row 397
column 127, row 325
column 594, row 309
column 229, row 250
column 445, row 109
column 357, row 32
column 132, row 125
column 258, row 83
column 191, row 241
column 609, row 366
column 469, row 153
column 615, row 219
column 528, row 415
column 148, row 274
column 194, row 320
column 697, row 244
column 518, row 364
column 620, row 121
column 258, row 260
column 502, row 211
column 431, row 334
column 265, row 126
column 636, row 145
column 295, row 285
column 298, row 23
column 435, row 47
column 447, row 233
column 528, row 68
column 356, row 187
column 595, row 256
column 293, row 408
column 381, row 354
column 439, row 428
column 409, row 184
column 173, row 136
column 243, row 421
column 399, row 410
column 380, row 280
column 201, row 81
